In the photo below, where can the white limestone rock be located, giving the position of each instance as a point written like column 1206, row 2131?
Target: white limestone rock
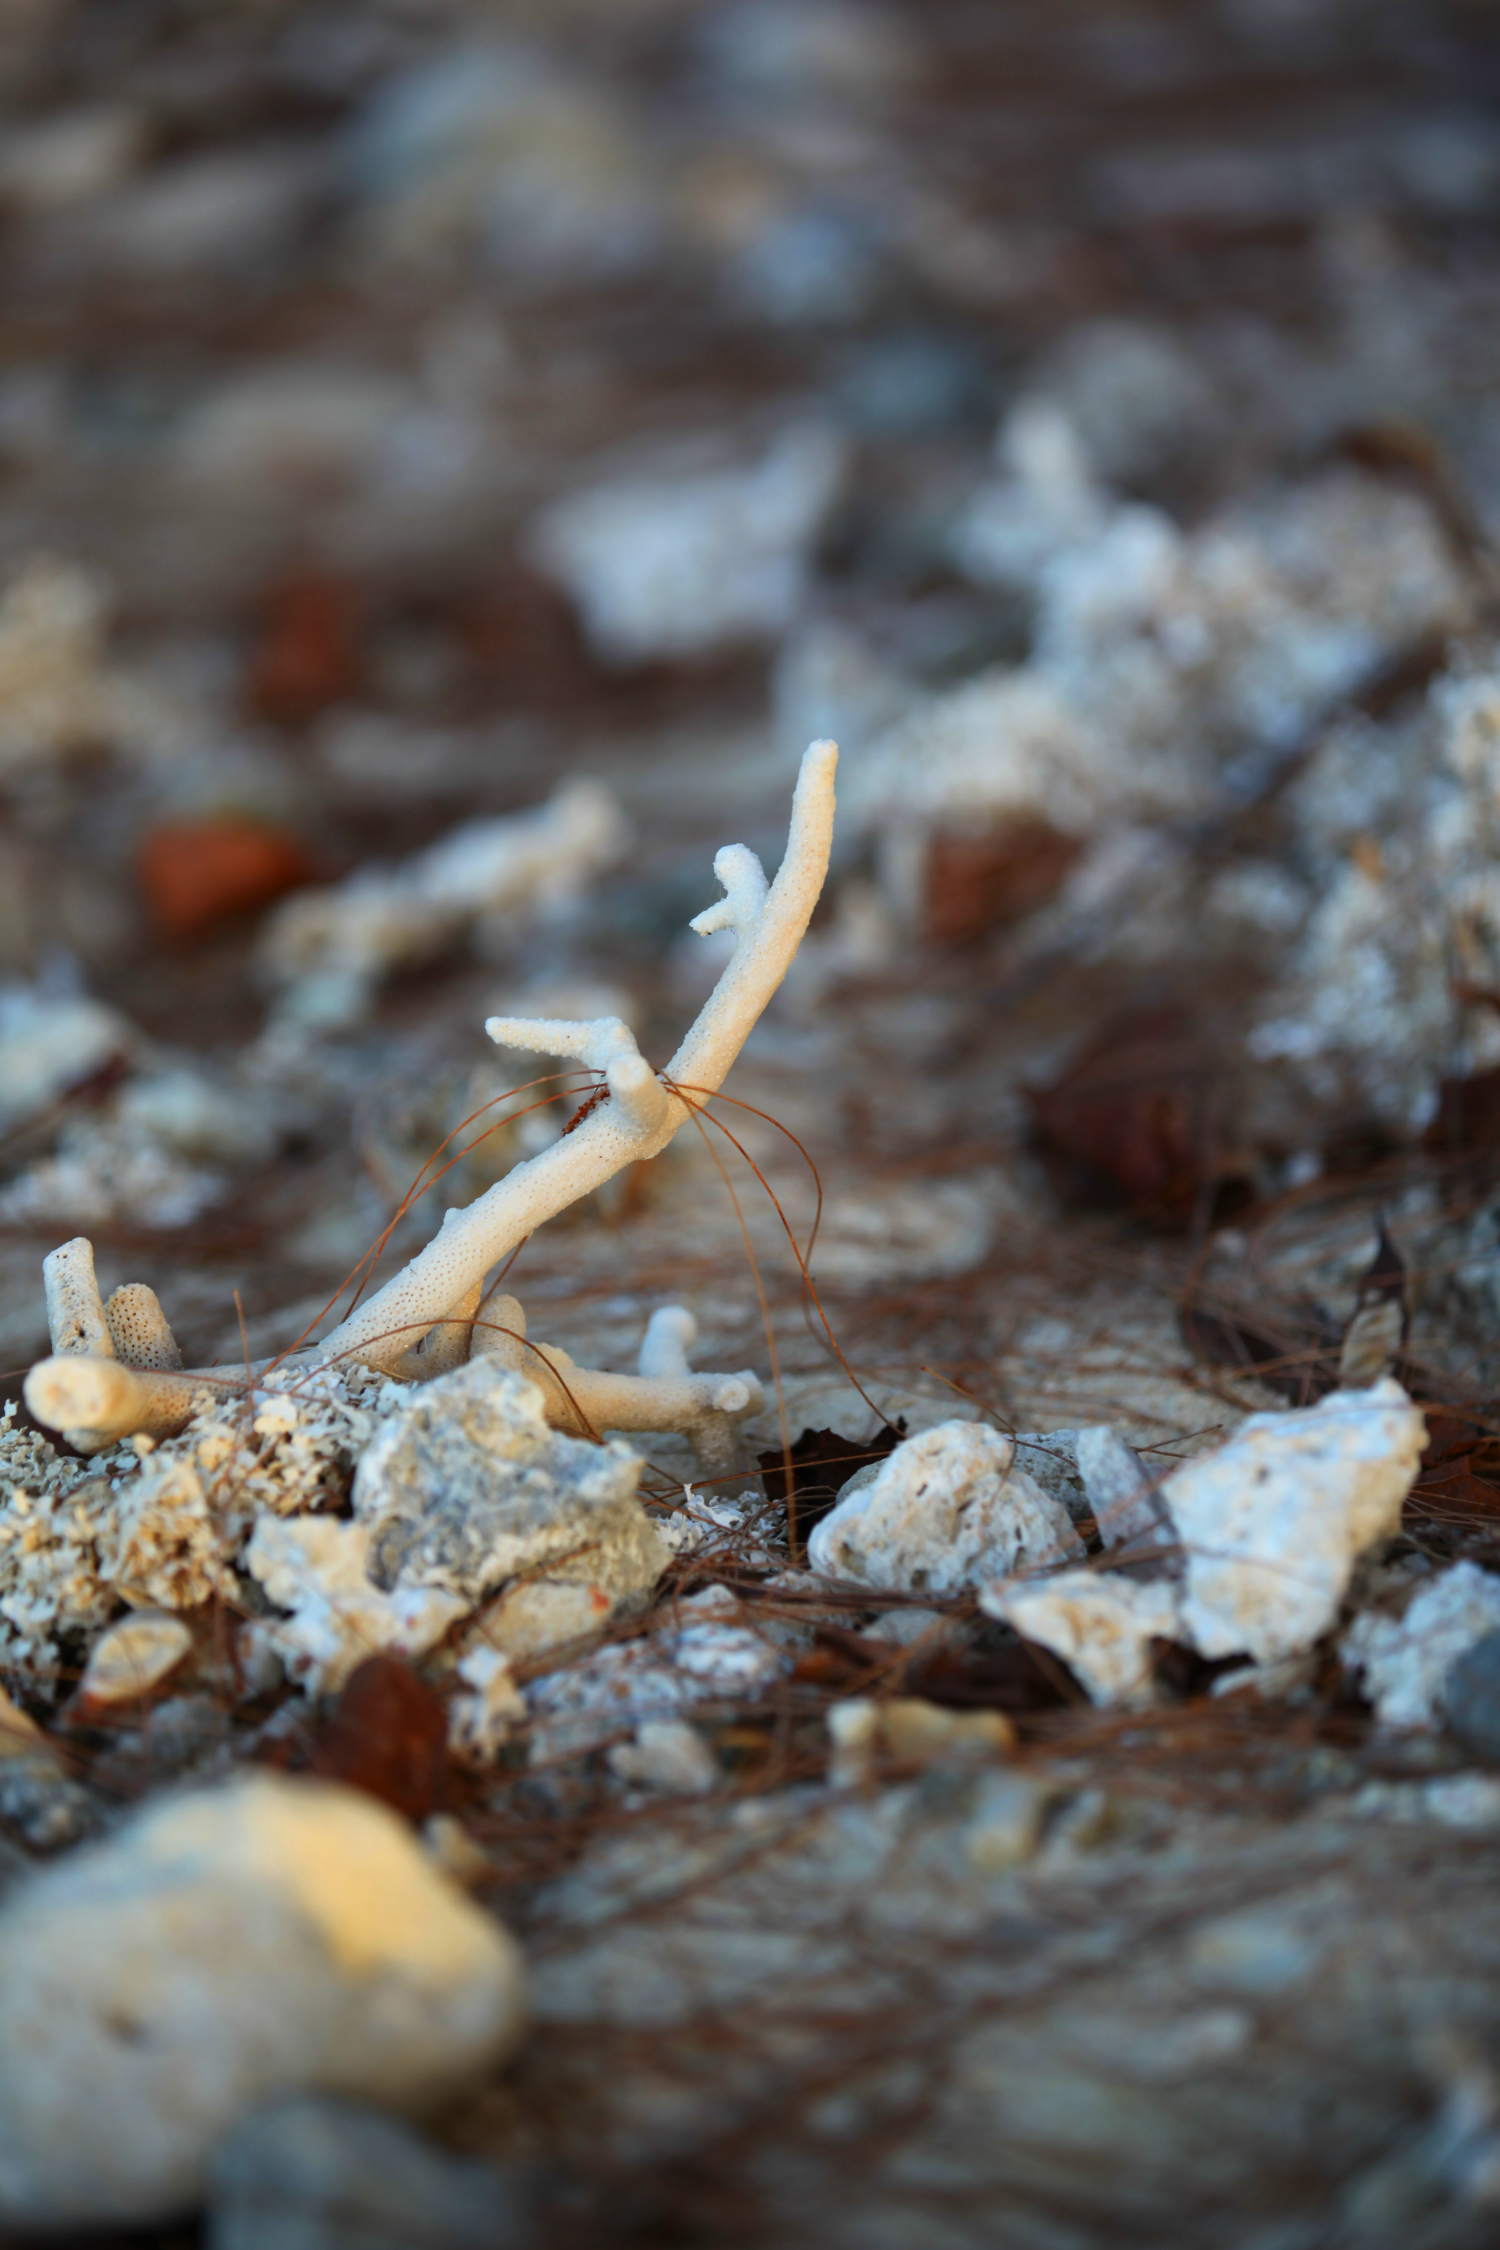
column 1097, row 1476
column 1381, row 996
column 668, row 1756
column 676, row 566
column 49, row 1043
column 233, row 1944
column 317, row 1568
column 102, row 1173
column 1406, row 1660
column 1157, row 654
column 482, row 1721
column 468, row 1492
column 1100, row 1623
column 1050, row 1459
column 1273, row 1523
column 948, row 1510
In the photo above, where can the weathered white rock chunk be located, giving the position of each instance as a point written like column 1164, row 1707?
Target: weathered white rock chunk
column 667, row 1755
column 1273, row 1523
column 468, row 1492
column 1406, row 1660
column 270, row 1937
column 675, row 566
column 317, row 1568
column 948, row 1510
column 333, row 946
column 1100, row 1623
column 49, row 1043
column 482, row 1722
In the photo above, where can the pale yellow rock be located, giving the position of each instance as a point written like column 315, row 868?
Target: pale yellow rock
column 135, row 1656
column 906, row 1731
column 269, row 1937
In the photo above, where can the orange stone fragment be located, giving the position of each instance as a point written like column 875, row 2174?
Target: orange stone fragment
column 197, row 873
column 308, row 654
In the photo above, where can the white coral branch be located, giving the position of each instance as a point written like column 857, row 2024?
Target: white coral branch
column 666, row 1395
column 640, row 1115
column 96, row 1401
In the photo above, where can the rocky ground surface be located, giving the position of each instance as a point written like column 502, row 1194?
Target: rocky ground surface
column 453, row 459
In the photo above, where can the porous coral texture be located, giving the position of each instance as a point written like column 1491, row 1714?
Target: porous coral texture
column 468, row 1488
column 164, row 1525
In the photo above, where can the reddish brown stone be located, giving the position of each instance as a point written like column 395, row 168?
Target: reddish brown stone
column 308, row 654
column 973, row 884
column 1129, row 1111
column 387, row 1735
column 524, row 640
column 196, row 873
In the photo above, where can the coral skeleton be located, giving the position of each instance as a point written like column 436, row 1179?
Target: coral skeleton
column 116, row 1372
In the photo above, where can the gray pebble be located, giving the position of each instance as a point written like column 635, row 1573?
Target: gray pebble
column 1471, row 1697
column 320, row 2174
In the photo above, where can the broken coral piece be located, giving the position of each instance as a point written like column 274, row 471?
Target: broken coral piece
column 946, row 1512
column 664, row 1395
column 669, row 1756
column 132, row 1658
column 906, row 1731
column 1273, row 1522
column 482, row 1721
column 643, row 1110
column 317, row 1570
